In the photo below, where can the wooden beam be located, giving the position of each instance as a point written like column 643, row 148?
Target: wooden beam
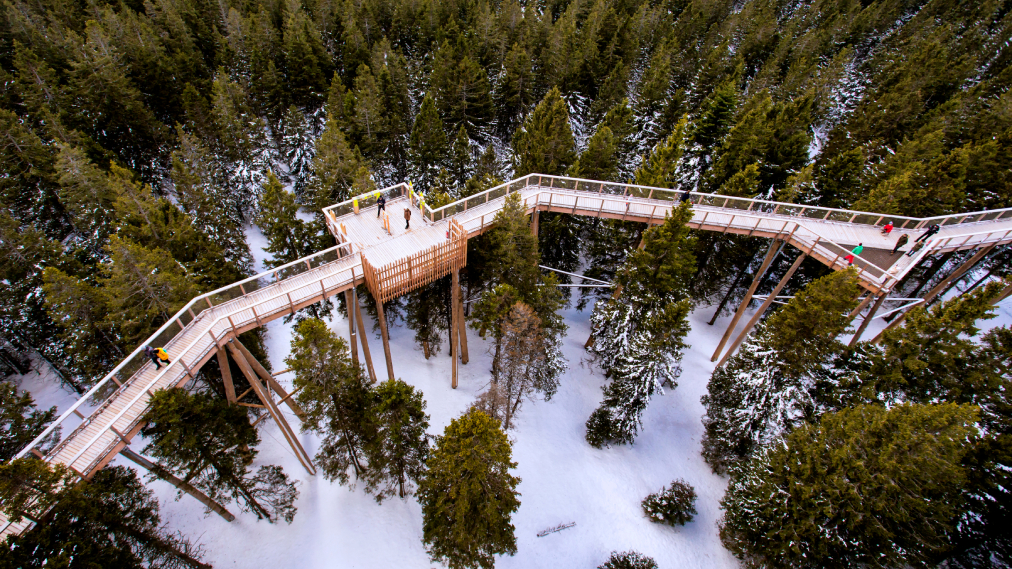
column 937, row 289
column 766, row 304
column 351, row 326
column 534, row 222
column 386, row 338
column 748, row 298
column 867, row 319
column 462, row 323
column 267, row 377
column 163, row 473
column 363, row 336
column 454, row 294
column 279, row 418
column 226, row 376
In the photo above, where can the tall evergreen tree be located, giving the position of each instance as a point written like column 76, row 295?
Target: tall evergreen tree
column 21, row 422
column 768, row 387
column 864, row 486
column 336, row 170
column 337, row 398
column 638, row 336
column 428, row 147
column 514, row 91
column 398, row 452
column 108, row 521
column 544, row 144
column 468, row 494
column 210, row 444
column 600, row 160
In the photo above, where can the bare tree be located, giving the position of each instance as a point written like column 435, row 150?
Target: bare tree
column 523, row 359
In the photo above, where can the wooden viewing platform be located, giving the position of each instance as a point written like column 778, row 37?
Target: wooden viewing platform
column 392, row 261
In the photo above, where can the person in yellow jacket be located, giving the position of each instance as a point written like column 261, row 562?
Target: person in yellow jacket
column 158, row 356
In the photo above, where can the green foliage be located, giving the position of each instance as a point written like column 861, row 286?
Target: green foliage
column 673, row 505
column 628, row 560
column 397, row 454
column 544, row 144
column 336, row 396
column 210, row 443
column 659, row 169
column 427, row 146
column 864, row 486
column 109, row 521
column 599, row 161
column 468, row 495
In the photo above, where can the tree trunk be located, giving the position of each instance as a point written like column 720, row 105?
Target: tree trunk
column 240, row 486
column 935, row 267
column 425, row 348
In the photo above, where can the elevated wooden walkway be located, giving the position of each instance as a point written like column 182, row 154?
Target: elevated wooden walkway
column 392, row 260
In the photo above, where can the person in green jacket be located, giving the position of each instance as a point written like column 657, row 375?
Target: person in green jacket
column 854, row 253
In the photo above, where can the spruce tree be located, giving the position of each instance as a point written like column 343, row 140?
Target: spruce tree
column 399, row 448
column 336, row 170
column 337, row 398
column 768, row 387
column 427, row 147
column 660, row 168
column 108, row 521
column 21, row 422
column 211, row 444
column 288, row 237
column 864, row 486
column 545, row 144
column 296, row 146
column 600, row 160
column 514, row 91
column 371, row 125
column 468, row 495
column 427, row 310
column 462, row 91
column 459, row 163
column 241, row 147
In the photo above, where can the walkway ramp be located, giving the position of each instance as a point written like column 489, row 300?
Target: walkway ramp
column 393, row 260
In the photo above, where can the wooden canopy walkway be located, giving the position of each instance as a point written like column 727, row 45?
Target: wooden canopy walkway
column 391, row 261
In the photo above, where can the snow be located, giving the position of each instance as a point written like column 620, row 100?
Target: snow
column 563, row 478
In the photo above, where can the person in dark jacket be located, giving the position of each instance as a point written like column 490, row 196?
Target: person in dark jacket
column 407, row 218
column 930, row 232
column 158, row 356
column 901, row 242
column 381, row 204
column 686, row 196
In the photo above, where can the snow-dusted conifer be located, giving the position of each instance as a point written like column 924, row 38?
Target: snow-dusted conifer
column 673, row 505
column 628, row 560
column 767, row 388
column 297, row 147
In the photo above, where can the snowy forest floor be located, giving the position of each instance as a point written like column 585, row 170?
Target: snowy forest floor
column 563, row 478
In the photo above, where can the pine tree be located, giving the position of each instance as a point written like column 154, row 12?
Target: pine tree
column 210, row 443
column 600, row 160
column 864, row 486
column 398, row 452
column 545, row 144
column 337, row 398
column 628, row 560
column 307, row 63
column 460, row 159
column 297, row 147
column 525, row 366
column 428, row 147
column 462, row 91
column 715, row 120
column 468, row 494
column 660, row 168
column 336, row 170
column 21, row 422
column 514, row 91
column 108, row 521
column 288, row 237
column 427, row 311
column 768, row 387
column 241, row 144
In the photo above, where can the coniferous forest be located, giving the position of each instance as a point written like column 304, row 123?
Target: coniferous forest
column 143, row 143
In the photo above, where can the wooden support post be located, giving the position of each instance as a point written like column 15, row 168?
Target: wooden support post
column 765, row 305
column 937, row 289
column 748, row 298
column 534, row 222
column 386, row 338
column 269, row 379
column 864, row 304
column 462, row 323
column 163, row 473
column 363, row 336
column 226, row 375
column 351, row 326
column 279, row 418
column 454, row 294
column 867, row 319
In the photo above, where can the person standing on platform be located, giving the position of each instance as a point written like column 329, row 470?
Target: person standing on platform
column 854, row 253
column 407, row 218
column 901, row 242
column 381, row 205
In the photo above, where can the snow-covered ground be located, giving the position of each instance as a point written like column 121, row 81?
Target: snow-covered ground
column 563, row 478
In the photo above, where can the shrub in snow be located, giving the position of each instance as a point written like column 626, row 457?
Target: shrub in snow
column 674, row 505
column 628, row 560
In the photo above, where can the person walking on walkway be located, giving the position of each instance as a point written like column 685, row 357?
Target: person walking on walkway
column 929, row 233
column 158, row 356
column 686, row 196
column 854, row 253
column 901, row 242
column 887, row 228
column 407, row 218
column 918, row 245
column 381, row 205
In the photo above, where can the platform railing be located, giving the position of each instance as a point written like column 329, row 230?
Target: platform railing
column 165, row 335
